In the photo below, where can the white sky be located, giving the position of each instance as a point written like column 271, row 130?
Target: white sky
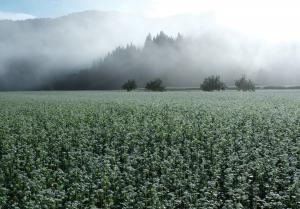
column 276, row 20
column 271, row 19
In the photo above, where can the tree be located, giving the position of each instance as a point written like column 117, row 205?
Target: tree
column 244, row 84
column 155, row 85
column 163, row 40
column 212, row 83
column 129, row 85
column 149, row 41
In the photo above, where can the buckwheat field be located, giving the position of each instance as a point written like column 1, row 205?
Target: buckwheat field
column 150, row 150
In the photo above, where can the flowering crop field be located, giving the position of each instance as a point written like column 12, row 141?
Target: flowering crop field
column 150, row 150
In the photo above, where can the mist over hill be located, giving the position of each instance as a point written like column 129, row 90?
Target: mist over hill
column 100, row 50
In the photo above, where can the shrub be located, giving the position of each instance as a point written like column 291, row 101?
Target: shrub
column 244, row 84
column 212, row 83
column 155, row 85
column 129, row 85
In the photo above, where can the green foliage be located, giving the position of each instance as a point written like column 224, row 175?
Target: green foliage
column 129, row 85
column 145, row 150
column 245, row 85
column 155, row 85
column 212, row 83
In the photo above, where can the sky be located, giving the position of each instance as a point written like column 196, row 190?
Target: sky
column 271, row 19
column 54, row 8
column 51, row 8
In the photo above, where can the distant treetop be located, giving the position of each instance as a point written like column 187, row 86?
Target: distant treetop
column 162, row 40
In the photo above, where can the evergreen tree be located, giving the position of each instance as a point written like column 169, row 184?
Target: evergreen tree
column 148, row 41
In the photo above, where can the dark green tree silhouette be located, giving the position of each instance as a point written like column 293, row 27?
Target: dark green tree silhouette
column 155, row 85
column 244, row 85
column 129, row 85
column 212, row 83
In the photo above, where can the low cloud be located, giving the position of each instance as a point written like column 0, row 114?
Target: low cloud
column 15, row 16
column 38, row 51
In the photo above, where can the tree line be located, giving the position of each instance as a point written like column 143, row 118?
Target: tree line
column 167, row 58
column 133, row 67
column 211, row 83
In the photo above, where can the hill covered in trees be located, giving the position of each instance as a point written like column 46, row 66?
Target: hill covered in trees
column 160, row 57
column 71, row 52
column 172, row 59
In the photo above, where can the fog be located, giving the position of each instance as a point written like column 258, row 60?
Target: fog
column 70, row 52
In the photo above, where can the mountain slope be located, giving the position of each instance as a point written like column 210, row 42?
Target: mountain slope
column 35, row 51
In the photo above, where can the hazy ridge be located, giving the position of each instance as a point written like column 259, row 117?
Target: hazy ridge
column 35, row 51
